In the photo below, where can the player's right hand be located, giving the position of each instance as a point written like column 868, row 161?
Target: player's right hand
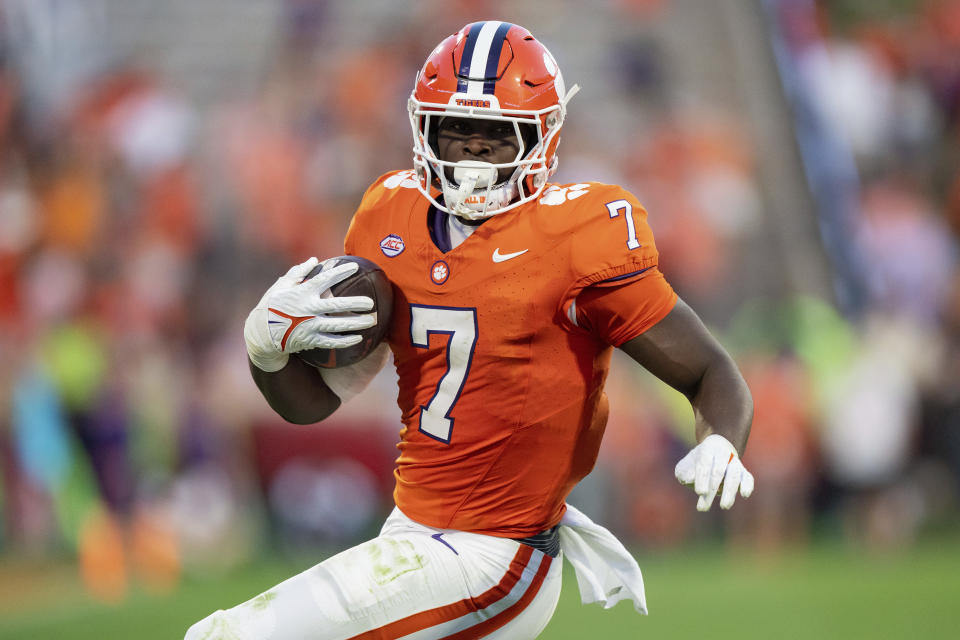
column 294, row 315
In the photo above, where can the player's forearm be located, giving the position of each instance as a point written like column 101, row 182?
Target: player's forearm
column 680, row 351
column 722, row 403
column 297, row 392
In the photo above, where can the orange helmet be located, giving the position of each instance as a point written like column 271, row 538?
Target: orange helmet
column 489, row 70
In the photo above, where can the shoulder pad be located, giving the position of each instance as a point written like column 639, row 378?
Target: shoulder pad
column 607, row 231
column 386, row 193
column 389, row 186
column 606, row 235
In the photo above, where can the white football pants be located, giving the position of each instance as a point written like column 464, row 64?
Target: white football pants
column 412, row 582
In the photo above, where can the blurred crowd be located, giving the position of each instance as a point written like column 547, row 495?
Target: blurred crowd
column 139, row 224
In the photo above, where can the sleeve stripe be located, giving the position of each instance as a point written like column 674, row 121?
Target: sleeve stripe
column 624, row 276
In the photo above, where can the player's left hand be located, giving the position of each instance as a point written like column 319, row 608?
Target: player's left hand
column 710, row 463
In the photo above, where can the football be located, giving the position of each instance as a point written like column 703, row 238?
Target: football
column 370, row 281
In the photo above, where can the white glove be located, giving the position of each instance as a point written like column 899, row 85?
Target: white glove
column 707, row 465
column 294, row 316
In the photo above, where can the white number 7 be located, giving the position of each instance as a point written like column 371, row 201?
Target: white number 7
column 460, row 323
column 614, row 208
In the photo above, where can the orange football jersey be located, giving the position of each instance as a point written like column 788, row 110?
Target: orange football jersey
column 500, row 375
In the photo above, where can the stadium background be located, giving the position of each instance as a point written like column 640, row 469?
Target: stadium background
column 162, row 162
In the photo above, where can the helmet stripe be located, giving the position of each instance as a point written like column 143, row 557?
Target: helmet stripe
column 467, row 57
column 481, row 52
column 493, row 57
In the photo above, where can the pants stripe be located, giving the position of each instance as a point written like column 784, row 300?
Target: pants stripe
column 439, row 615
column 499, row 620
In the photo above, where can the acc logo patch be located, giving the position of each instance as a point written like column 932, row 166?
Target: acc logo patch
column 392, row 245
column 439, row 272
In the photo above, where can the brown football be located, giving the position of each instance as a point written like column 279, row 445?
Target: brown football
column 370, row 281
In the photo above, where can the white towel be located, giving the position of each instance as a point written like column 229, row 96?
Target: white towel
column 606, row 572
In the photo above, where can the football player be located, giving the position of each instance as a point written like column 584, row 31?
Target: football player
column 510, row 293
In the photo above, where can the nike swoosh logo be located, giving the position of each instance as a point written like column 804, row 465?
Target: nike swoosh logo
column 436, row 536
column 501, row 257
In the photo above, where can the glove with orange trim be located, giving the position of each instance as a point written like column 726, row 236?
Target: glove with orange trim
column 710, row 463
column 295, row 315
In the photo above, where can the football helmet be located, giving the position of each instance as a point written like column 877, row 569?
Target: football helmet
column 489, row 70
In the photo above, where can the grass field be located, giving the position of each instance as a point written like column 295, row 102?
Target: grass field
column 827, row 592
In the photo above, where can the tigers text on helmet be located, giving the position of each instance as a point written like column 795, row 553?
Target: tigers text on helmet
column 497, row 71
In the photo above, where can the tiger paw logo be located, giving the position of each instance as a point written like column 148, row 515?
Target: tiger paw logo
column 558, row 195
column 439, row 272
column 406, row 179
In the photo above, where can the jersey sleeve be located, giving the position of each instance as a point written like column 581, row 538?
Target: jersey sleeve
column 619, row 312
column 611, row 246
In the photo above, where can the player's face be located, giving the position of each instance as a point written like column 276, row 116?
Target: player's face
column 491, row 141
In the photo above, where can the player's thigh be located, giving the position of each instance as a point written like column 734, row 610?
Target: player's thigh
column 360, row 589
column 406, row 583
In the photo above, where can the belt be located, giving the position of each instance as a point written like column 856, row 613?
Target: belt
column 546, row 541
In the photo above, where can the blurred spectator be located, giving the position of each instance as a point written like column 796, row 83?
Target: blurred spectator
column 695, row 177
column 870, row 430
column 910, row 253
